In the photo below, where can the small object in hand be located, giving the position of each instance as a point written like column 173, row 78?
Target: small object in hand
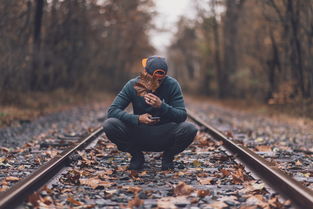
column 155, row 118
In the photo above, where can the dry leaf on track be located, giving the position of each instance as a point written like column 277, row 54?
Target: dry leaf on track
column 136, row 202
column 183, row 189
column 169, row 202
column 218, row 205
column 205, row 181
column 134, row 189
column 95, row 182
column 203, row 193
column 264, row 148
column 12, row 178
column 73, row 201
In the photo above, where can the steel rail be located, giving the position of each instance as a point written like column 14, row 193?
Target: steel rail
column 19, row 191
column 299, row 195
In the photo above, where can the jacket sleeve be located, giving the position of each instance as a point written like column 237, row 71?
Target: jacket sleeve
column 175, row 110
column 120, row 102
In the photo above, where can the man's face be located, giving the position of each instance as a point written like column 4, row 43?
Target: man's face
column 159, row 74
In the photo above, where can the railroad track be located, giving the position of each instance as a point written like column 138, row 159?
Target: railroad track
column 17, row 193
column 300, row 196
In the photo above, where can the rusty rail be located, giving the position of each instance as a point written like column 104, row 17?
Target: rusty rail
column 300, row 196
column 19, row 191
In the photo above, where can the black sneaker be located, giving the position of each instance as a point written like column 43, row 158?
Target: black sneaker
column 167, row 162
column 137, row 161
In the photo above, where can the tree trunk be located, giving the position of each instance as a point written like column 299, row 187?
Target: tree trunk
column 36, row 44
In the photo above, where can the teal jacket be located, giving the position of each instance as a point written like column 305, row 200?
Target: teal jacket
column 171, row 110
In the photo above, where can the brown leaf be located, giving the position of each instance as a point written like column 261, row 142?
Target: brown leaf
column 183, row 189
column 264, row 148
column 203, row 193
column 134, row 189
column 136, row 202
column 225, row 172
column 249, row 207
column 218, row 205
column 202, row 138
column 229, row 134
column 205, row 181
column 72, row 176
column 257, row 200
column 3, row 160
column 298, row 163
column 73, row 201
column 169, row 202
column 196, row 163
column 34, row 198
column 145, row 84
column 134, row 173
column 238, row 176
column 95, row 182
column 4, row 149
column 46, row 200
column 275, row 203
column 12, row 178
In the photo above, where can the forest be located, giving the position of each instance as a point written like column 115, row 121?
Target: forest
column 257, row 50
column 252, row 49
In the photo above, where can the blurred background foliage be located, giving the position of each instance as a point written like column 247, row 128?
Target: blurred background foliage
column 241, row 49
column 249, row 49
column 71, row 44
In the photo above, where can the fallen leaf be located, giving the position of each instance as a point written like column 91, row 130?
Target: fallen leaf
column 218, row 205
column 257, row 200
column 259, row 139
column 264, row 148
column 136, row 202
column 298, row 163
column 95, row 182
column 134, row 189
column 46, row 200
column 3, row 160
column 204, row 181
column 196, row 163
column 229, row 134
column 183, row 189
column 238, row 176
column 72, row 176
column 275, row 203
column 34, row 198
column 134, row 173
column 12, row 178
column 73, row 201
column 169, row 202
column 248, row 207
column 202, row 139
column 4, row 149
column 203, row 193
column 225, row 172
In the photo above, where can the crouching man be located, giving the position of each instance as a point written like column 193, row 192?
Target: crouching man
column 158, row 120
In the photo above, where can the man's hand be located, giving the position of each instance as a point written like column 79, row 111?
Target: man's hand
column 145, row 118
column 153, row 100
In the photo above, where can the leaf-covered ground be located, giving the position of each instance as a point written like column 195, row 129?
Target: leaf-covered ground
column 205, row 176
column 284, row 141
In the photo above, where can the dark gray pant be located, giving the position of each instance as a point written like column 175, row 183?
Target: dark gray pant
column 170, row 137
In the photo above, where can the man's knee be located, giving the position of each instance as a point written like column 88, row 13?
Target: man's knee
column 187, row 128
column 111, row 124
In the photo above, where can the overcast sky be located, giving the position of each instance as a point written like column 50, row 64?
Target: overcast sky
column 169, row 13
